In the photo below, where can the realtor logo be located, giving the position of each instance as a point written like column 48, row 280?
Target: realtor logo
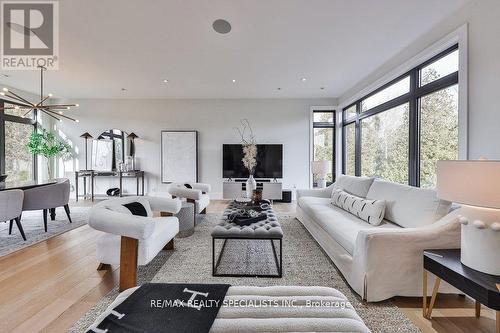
column 30, row 35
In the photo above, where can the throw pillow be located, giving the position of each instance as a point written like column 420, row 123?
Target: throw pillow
column 371, row 211
column 136, row 208
column 190, row 187
column 358, row 186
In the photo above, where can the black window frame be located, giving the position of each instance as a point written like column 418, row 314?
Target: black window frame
column 412, row 98
column 15, row 119
column 326, row 125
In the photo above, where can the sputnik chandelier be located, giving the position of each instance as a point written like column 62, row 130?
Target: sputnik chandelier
column 55, row 111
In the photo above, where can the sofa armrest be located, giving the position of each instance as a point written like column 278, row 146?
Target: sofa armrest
column 183, row 192
column 444, row 233
column 122, row 224
column 160, row 204
column 392, row 258
column 316, row 192
column 202, row 187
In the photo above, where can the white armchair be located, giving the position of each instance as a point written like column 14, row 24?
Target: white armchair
column 132, row 240
column 198, row 195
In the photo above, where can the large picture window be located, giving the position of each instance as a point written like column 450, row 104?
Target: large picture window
column 324, row 140
column 399, row 131
column 16, row 127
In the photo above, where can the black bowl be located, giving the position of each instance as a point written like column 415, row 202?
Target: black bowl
column 2, row 178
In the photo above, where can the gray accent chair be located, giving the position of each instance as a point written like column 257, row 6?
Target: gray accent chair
column 11, row 208
column 48, row 198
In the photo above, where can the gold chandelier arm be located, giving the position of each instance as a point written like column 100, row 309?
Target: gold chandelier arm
column 61, row 106
column 19, row 98
column 21, row 105
column 59, row 115
column 24, row 115
column 49, row 114
column 43, row 100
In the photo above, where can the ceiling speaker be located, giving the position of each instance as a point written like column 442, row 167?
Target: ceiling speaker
column 221, row 26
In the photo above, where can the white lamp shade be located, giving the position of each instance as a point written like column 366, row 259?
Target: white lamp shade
column 473, row 183
column 320, row 167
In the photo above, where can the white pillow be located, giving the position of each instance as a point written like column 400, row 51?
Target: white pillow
column 371, row 211
column 119, row 208
column 358, row 186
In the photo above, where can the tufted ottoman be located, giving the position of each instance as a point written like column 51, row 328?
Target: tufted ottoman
column 269, row 229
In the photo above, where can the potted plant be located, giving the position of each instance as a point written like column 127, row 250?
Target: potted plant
column 49, row 145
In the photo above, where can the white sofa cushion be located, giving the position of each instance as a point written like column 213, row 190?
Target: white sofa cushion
column 342, row 226
column 358, row 186
column 409, row 206
column 371, row 211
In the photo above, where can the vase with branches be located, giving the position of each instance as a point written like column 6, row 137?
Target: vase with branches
column 249, row 159
column 49, row 145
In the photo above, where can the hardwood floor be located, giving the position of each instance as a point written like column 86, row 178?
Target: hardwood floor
column 50, row 285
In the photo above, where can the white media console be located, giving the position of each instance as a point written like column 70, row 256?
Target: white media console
column 236, row 189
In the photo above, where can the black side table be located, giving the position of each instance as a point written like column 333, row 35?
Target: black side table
column 446, row 265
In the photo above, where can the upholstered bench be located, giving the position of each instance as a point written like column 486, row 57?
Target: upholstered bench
column 268, row 229
column 298, row 309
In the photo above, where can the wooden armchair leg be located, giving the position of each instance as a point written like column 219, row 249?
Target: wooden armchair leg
column 103, row 267
column 170, row 245
column 128, row 262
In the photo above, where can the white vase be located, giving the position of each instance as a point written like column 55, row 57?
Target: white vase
column 250, row 186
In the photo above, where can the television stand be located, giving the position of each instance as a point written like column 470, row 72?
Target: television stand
column 235, row 189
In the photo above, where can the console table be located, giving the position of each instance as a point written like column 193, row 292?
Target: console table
column 92, row 174
column 446, row 265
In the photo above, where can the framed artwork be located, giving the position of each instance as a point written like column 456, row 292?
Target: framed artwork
column 179, row 156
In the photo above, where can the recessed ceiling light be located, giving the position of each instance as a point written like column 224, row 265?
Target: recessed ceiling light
column 303, row 79
column 165, row 81
column 234, row 81
column 278, row 88
column 322, row 88
column 221, row 26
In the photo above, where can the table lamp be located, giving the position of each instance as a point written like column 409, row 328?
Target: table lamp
column 86, row 136
column 475, row 185
column 320, row 169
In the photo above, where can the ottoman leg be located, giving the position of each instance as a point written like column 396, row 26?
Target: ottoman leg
column 128, row 262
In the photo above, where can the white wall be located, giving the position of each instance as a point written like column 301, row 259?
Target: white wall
column 483, row 21
column 283, row 121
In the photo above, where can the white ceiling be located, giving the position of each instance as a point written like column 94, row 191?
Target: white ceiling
column 114, row 44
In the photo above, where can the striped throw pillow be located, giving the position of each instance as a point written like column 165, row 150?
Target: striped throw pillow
column 371, row 211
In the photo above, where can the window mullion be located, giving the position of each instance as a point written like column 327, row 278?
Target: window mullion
column 357, row 140
column 2, row 137
column 413, row 161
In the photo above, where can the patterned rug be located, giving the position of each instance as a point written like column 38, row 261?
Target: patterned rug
column 304, row 263
column 32, row 223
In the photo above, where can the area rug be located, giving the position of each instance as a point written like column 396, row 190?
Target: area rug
column 33, row 228
column 304, row 263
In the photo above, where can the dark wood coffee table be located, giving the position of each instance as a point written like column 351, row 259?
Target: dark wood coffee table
column 446, row 265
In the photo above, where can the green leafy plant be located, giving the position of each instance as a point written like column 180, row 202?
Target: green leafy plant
column 49, row 145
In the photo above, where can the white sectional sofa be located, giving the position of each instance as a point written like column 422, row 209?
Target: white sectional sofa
column 381, row 261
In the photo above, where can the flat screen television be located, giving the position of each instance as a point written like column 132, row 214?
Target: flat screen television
column 269, row 161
